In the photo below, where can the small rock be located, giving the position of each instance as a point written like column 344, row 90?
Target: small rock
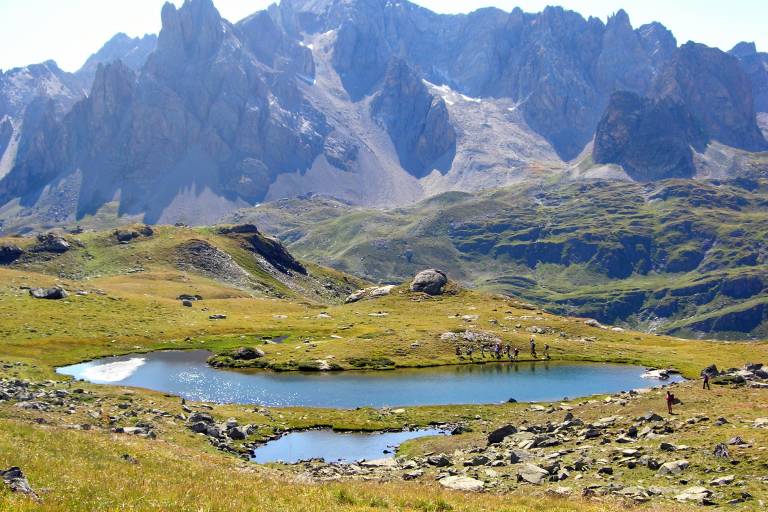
column 462, row 483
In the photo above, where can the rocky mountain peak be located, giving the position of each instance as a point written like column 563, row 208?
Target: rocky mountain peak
column 418, row 122
column 619, row 19
column 744, row 49
column 133, row 51
column 716, row 90
column 192, row 32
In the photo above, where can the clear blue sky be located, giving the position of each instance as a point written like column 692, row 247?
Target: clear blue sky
column 70, row 30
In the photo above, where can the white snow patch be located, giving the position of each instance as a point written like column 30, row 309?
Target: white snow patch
column 114, row 372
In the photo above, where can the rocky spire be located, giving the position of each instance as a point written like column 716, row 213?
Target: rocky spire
column 193, row 32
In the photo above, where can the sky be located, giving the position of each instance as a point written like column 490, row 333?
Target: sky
column 68, row 31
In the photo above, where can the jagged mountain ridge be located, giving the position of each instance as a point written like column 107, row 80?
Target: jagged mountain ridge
column 371, row 101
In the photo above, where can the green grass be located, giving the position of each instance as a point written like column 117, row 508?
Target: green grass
column 567, row 246
column 83, row 470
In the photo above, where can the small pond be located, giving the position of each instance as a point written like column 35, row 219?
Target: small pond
column 186, row 374
column 344, row 447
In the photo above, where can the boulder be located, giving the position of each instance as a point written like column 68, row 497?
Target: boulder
column 9, row 254
column 188, row 297
column 54, row 293
column 674, row 468
column 532, row 474
column 500, row 434
column 721, row 451
column 723, row 480
column 51, row 243
column 477, row 460
column 124, row 235
column 202, row 417
column 370, row 293
column 16, row 481
column 462, row 483
column 247, row 353
column 698, row 495
column 439, row 461
column 430, row 281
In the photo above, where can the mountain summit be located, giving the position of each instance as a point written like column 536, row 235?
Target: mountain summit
column 370, row 101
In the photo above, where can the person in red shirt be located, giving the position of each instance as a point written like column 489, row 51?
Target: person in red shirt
column 670, row 401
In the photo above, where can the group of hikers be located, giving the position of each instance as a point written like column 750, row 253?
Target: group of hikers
column 498, row 350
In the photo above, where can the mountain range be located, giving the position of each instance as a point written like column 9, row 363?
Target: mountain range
column 370, row 101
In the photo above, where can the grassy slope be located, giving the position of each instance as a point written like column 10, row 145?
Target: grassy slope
column 564, row 246
column 82, row 470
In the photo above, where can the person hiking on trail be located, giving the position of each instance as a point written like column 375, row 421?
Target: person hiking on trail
column 670, row 401
column 507, row 350
column 458, row 350
column 706, row 381
column 516, row 354
column 546, row 351
column 470, row 350
column 533, row 347
column 498, row 350
column 482, row 350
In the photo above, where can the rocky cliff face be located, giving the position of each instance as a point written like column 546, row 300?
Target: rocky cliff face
column 701, row 94
column 714, row 88
column 650, row 138
column 755, row 64
column 417, row 122
column 132, row 51
column 359, row 99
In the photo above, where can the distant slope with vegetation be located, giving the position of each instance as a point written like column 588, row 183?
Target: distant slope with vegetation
column 679, row 257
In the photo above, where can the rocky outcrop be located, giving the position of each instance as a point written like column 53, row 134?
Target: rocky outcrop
column 651, row 139
column 55, row 293
column 701, row 94
column 431, row 282
column 51, row 242
column 16, row 481
column 755, row 65
column 131, row 51
column 716, row 91
column 417, row 122
column 270, row 249
column 9, row 254
column 373, row 292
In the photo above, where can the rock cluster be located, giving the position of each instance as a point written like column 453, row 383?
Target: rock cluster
column 222, row 435
column 753, row 374
column 373, row 292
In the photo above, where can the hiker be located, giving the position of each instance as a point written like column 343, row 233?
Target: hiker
column 458, row 350
column 497, row 348
column 533, row 348
column 546, row 351
column 470, row 350
column 516, row 354
column 706, row 382
column 507, row 350
column 670, row 401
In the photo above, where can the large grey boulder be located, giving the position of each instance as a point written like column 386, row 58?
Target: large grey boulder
column 430, row 281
